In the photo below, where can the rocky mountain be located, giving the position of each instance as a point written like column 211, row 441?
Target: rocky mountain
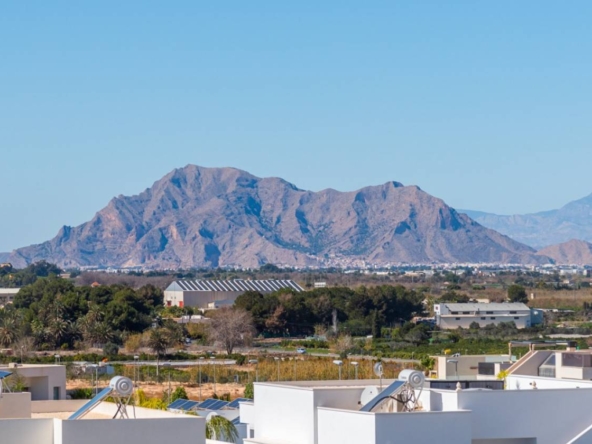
column 572, row 252
column 4, row 257
column 210, row 217
column 572, row 221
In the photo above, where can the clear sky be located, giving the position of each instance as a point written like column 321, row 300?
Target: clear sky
column 487, row 105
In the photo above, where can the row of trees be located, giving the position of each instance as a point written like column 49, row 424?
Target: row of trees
column 53, row 313
column 10, row 277
column 362, row 311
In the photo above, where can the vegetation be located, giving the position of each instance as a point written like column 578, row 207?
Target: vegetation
column 221, row 429
column 230, row 327
column 13, row 278
column 56, row 315
column 517, row 293
column 359, row 312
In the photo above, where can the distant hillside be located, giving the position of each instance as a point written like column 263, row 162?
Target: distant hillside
column 210, row 217
column 572, row 221
column 571, row 252
column 4, row 257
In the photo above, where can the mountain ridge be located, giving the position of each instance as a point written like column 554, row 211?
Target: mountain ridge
column 572, row 252
column 545, row 228
column 210, row 217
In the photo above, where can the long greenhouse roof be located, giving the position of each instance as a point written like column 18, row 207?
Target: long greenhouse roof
column 262, row 286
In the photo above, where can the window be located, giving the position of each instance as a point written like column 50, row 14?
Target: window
column 454, row 312
column 516, row 317
column 483, row 318
column 489, row 312
column 56, row 393
column 513, row 312
column 458, row 319
column 465, row 312
column 492, row 318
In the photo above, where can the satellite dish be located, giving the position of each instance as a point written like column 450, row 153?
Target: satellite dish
column 378, row 369
column 368, row 394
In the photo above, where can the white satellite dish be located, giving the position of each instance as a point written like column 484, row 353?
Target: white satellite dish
column 378, row 369
column 368, row 394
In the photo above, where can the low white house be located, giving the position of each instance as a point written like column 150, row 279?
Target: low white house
column 43, row 381
column 470, row 367
column 454, row 315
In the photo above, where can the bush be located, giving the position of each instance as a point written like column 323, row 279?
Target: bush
column 179, row 393
column 81, row 393
column 110, row 349
column 250, row 391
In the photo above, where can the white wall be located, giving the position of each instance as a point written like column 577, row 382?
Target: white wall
column 26, row 431
column 15, row 405
column 70, row 405
column 550, row 416
column 520, row 382
column 284, row 414
column 140, row 431
column 352, row 427
column 423, row 428
column 343, row 427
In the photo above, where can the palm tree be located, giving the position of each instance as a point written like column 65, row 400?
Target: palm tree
column 9, row 331
column 158, row 341
column 220, row 429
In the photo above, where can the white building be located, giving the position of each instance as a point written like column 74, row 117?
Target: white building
column 470, row 367
column 202, row 293
column 329, row 412
column 7, row 295
column 43, row 381
column 454, row 315
column 23, row 421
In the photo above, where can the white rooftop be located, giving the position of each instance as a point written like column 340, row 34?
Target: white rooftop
column 493, row 306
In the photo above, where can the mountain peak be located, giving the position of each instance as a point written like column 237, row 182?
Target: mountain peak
column 209, row 217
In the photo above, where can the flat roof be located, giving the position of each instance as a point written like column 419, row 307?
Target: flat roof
column 66, row 415
column 474, row 306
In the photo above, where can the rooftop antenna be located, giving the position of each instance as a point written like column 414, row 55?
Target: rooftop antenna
column 379, row 371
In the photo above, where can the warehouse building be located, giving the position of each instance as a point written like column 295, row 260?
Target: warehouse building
column 454, row 315
column 213, row 294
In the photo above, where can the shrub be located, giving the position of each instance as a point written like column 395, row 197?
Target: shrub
column 110, row 349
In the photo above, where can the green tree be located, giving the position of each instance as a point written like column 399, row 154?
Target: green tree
column 9, row 331
column 517, row 293
column 158, row 342
column 221, row 429
column 179, row 393
column 376, row 326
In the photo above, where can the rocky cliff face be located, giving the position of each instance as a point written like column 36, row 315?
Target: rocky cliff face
column 210, row 217
column 573, row 221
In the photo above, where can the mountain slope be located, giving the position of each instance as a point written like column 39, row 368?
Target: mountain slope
column 571, row 252
column 4, row 257
column 572, row 221
column 210, row 217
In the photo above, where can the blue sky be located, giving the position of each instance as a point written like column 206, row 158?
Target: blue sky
column 484, row 104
